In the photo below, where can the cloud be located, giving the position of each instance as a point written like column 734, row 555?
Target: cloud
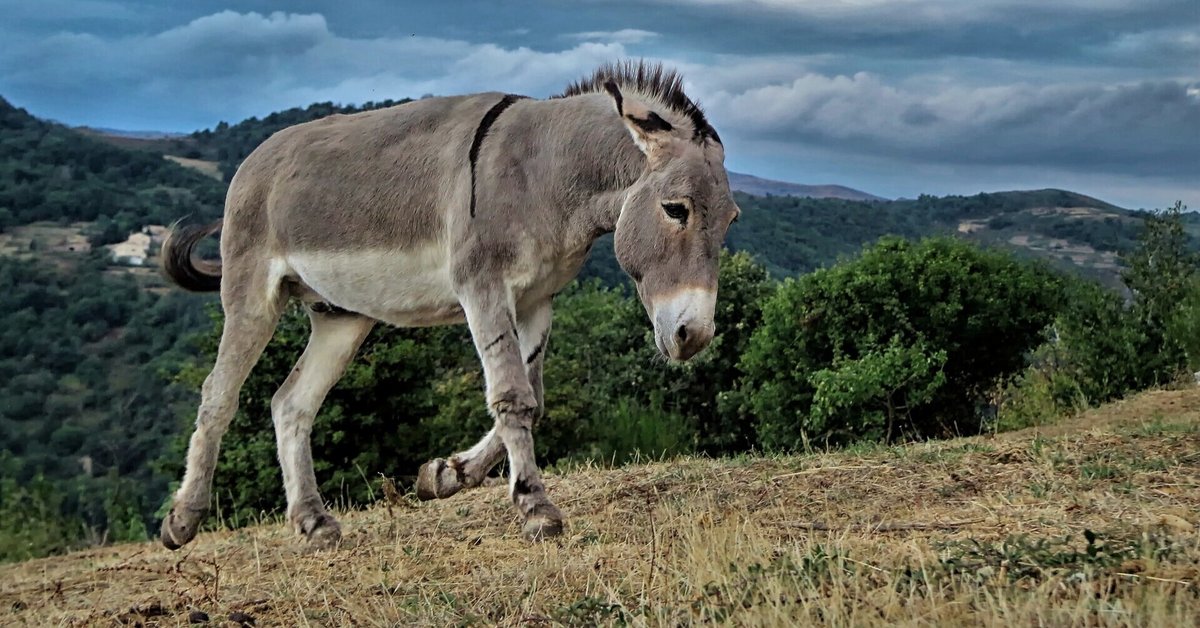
column 623, row 36
column 1131, row 128
column 230, row 65
column 46, row 11
column 881, row 32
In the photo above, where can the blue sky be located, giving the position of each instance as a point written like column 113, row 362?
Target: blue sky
column 895, row 97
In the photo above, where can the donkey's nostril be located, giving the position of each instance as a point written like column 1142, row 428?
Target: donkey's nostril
column 682, row 333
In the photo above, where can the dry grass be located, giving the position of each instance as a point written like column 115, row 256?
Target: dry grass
column 980, row 531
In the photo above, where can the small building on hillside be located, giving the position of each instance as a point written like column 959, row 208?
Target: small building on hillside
column 136, row 250
column 132, row 251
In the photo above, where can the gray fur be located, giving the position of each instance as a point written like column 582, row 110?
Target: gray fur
column 368, row 215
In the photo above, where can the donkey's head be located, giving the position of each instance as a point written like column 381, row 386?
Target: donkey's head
column 673, row 221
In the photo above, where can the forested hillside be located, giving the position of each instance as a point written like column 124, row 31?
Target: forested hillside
column 226, row 145
column 51, row 173
column 792, row 235
column 89, row 349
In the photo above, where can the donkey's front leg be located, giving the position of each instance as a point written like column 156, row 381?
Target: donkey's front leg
column 514, row 404
column 440, row 478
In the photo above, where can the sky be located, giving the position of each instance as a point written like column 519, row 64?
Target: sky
column 893, row 97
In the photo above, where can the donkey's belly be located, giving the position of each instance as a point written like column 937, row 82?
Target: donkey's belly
column 403, row 288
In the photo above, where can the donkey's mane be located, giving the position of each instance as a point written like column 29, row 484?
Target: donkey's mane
column 650, row 79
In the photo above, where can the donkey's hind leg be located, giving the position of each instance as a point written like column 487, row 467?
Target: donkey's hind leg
column 247, row 329
column 334, row 340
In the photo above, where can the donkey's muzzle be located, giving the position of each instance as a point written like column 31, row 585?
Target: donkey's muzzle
column 683, row 323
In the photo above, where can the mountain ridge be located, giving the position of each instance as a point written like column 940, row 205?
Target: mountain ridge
column 761, row 186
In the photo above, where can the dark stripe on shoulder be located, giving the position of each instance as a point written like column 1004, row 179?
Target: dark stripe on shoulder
column 485, row 125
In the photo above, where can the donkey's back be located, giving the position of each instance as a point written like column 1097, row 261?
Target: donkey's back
column 354, row 211
column 377, row 179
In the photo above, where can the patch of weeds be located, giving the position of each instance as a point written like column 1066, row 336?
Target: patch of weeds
column 1020, row 558
column 932, row 456
column 747, row 459
column 748, row 586
column 1098, row 471
column 592, row 611
column 946, row 455
column 872, row 448
column 1126, row 487
column 1041, row 489
column 1159, row 426
column 1149, row 464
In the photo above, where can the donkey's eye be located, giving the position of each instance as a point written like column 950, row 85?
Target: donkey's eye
column 676, row 210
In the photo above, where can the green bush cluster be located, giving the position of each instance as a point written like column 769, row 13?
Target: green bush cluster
column 901, row 342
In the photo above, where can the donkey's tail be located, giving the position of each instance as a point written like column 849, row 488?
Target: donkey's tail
column 182, row 267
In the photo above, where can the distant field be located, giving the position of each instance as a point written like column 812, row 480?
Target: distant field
column 1091, row 521
column 26, row 240
column 210, row 168
column 53, row 244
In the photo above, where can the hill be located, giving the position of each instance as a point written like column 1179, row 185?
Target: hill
column 757, row 186
column 1087, row 522
column 50, row 172
column 87, row 347
column 793, row 235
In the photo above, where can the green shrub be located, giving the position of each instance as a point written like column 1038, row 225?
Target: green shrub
column 33, row 522
column 1046, row 390
column 1159, row 274
column 905, row 340
column 1101, row 341
column 1184, row 326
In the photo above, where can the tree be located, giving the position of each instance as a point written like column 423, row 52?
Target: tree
column 1159, row 274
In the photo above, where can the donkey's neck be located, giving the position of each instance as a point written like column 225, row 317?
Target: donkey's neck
column 595, row 162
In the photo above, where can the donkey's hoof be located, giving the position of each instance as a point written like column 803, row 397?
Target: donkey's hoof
column 178, row 529
column 323, row 532
column 437, row 480
column 543, row 523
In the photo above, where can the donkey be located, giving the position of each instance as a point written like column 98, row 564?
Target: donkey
column 476, row 208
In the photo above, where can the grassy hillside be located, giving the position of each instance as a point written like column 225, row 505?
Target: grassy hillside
column 1087, row 522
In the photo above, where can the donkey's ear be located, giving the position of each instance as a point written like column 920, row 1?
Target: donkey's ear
column 649, row 130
